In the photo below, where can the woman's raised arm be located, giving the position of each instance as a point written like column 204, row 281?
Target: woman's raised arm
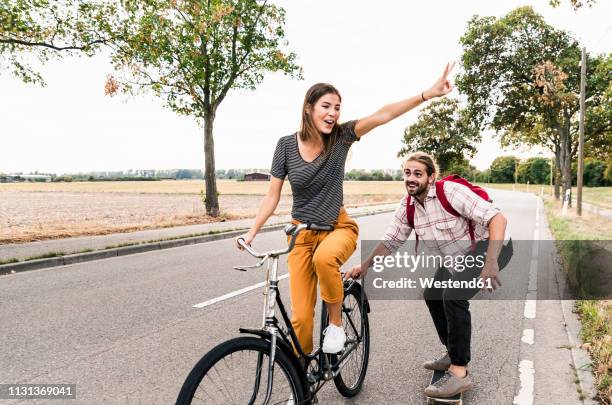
column 441, row 87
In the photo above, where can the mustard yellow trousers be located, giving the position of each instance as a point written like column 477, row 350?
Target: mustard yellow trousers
column 317, row 256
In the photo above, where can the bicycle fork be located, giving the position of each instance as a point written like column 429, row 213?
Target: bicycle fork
column 270, row 292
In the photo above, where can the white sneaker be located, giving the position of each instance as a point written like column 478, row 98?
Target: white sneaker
column 334, row 339
column 291, row 401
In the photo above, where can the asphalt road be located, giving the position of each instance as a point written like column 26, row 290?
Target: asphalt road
column 124, row 330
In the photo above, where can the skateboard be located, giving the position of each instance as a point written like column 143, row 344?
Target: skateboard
column 455, row 400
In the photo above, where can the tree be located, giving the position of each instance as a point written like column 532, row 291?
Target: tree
column 463, row 168
column 502, row 169
column 594, row 173
column 443, row 130
column 521, row 78
column 576, row 4
column 535, row 170
column 49, row 28
column 193, row 52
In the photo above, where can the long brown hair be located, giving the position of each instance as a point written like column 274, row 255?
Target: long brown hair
column 308, row 131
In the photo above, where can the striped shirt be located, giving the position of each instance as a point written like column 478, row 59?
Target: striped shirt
column 317, row 185
column 439, row 230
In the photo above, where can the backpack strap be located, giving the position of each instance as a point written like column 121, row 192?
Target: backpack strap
column 449, row 208
column 410, row 218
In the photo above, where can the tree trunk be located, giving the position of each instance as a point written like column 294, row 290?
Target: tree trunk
column 555, row 172
column 210, row 178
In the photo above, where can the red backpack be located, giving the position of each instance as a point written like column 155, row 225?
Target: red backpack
column 446, row 204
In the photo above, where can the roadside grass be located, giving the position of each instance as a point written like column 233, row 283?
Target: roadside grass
column 596, row 317
column 119, row 245
column 598, row 196
column 36, row 257
column 580, row 240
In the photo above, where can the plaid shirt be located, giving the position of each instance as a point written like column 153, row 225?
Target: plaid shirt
column 439, row 230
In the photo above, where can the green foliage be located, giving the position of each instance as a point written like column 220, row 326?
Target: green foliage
column 49, row 28
column 192, row 53
column 463, row 168
column 534, row 170
column 443, row 130
column 576, row 4
column 521, row 79
column 598, row 117
column 183, row 174
column 374, row 175
column 502, row 169
column 594, row 173
column 608, row 173
column 499, row 60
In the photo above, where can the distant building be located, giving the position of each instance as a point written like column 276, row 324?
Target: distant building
column 257, row 176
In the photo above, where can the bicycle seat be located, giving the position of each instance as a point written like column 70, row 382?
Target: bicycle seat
column 313, row 226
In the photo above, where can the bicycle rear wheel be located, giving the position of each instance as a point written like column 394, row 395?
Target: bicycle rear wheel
column 353, row 369
column 236, row 372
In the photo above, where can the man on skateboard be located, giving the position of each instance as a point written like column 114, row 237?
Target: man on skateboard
column 452, row 218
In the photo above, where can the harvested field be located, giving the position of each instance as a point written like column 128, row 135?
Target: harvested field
column 39, row 211
column 195, row 187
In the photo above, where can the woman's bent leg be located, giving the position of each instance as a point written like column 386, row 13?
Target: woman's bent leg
column 333, row 251
column 303, row 289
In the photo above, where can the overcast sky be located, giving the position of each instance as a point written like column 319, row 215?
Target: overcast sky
column 374, row 52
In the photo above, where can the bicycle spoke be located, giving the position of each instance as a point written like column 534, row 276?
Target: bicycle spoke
column 352, row 321
column 232, row 380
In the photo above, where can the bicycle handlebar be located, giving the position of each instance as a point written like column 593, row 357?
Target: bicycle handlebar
column 291, row 229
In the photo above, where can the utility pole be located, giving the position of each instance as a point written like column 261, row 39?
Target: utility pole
column 515, row 174
column 581, row 130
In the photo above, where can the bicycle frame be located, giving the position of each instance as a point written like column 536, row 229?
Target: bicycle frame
column 278, row 339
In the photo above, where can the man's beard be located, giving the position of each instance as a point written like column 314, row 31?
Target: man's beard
column 420, row 188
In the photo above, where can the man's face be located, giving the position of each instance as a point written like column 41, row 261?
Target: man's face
column 416, row 179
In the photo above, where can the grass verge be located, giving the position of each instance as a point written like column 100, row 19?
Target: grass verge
column 576, row 237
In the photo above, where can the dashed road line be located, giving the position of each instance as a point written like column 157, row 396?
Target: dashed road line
column 235, row 293
column 526, row 368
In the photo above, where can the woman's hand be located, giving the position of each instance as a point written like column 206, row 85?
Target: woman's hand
column 442, row 86
column 248, row 238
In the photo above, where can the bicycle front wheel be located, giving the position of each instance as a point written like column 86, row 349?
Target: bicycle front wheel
column 236, row 372
column 353, row 369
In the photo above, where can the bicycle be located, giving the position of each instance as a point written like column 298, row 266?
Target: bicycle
column 233, row 372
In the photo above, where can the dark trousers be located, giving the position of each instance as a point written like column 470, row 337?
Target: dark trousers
column 450, row 311
column 452, row 319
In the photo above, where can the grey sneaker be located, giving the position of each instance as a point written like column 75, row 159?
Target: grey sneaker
column 441, row 364
column 449, row 385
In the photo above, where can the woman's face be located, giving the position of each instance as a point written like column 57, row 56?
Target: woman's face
column 326, row 112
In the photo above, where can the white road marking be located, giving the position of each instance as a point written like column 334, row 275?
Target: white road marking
column 530, row 309
column 528, row 336
column 526, row 367
column 235, row 293
column 527, row 377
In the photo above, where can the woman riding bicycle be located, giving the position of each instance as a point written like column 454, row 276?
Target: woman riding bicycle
column 313, row 158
